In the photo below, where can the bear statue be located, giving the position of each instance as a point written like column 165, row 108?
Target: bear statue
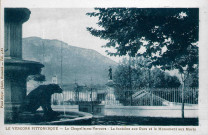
column 41, row 97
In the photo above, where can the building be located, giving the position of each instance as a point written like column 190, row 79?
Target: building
column 55, row 80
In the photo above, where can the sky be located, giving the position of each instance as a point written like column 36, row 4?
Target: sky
column 65, row 24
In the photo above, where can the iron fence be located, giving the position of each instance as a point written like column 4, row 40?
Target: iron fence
column 157, row 96
column 136, row 97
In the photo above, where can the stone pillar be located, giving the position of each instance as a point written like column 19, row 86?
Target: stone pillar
column 16, row 70
column 14, row 18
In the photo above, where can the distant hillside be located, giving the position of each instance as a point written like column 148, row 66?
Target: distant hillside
column 78, row 63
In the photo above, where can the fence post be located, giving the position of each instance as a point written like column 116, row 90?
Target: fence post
column 151, row 98
column 174, row 92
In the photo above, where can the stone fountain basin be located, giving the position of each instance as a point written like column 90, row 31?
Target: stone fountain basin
column 67, row 118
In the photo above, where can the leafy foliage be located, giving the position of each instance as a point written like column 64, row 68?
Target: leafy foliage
column 193, row 79
column 170, row 34
column 140, row 77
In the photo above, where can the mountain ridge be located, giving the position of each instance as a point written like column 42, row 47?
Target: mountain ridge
column 78, row 63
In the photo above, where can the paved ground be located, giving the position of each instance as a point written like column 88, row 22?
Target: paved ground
column 134, row 121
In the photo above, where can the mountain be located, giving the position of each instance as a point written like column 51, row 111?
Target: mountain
column 77, row 63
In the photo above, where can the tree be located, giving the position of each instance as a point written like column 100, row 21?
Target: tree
column 169, row 36
column 140, row 79
column 193, row 79
column 160, row 79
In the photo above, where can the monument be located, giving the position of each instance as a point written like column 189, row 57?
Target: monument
column 110, row 73
column 110, row 81
column 110, row 97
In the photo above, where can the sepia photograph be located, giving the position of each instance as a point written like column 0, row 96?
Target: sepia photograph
column 97, row 67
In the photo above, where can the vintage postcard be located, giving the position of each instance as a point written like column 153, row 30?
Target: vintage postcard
column 108, row 67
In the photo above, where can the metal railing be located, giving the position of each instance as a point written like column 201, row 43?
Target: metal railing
column 136, row 97
column 157, row 96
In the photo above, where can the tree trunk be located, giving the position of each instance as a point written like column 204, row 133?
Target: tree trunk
column 183, row 89
column 182, row 94
column 130, row 83
column 182, row 109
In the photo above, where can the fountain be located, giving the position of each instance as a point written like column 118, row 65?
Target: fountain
column 16, row 72
column 16, row 69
